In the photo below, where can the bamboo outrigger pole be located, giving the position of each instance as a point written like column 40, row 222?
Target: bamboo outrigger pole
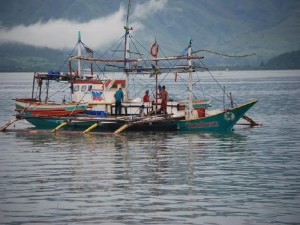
column 8, row 124
column 58, row 127
column 90, row 128
column 122, row 128
column 251, row 121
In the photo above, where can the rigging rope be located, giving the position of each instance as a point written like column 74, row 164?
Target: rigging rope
column 222, row 88
column 221, row 54
column 64, row 63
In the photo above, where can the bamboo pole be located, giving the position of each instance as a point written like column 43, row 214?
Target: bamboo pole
column 121, row 129
column 8, row 124
column 251, row 121
column 136, row 60
column 58, row 127
column 90, row 128
column 142, row 121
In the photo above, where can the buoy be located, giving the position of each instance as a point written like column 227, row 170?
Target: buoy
column 154, row 49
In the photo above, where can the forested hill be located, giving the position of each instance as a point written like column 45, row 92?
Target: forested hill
column 267, row 28
column 26, row 58
column 286, row 61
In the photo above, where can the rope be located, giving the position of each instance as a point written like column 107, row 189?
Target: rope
column 222, row 88
column 221, row 54
column 67, row 58
column 76, row 106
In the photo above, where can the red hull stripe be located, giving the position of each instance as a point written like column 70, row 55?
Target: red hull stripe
column 52, row 112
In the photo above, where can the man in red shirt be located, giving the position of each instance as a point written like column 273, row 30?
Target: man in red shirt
column 164, row 99
column 146, row 97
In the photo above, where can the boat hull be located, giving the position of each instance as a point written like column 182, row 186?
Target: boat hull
column 221, row 122
column 32, row 107
column 103, row 126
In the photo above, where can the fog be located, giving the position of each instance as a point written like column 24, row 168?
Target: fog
column 96, row 33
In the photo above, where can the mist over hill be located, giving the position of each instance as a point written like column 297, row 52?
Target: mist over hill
column 267, row 28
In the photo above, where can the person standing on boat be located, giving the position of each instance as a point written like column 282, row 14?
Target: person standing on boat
column 159, row 91
column 119, row 97
column 164, row 99
column 146, row 97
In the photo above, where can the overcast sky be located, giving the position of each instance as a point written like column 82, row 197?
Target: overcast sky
column 96, row 33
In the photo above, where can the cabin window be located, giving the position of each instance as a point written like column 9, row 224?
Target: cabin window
column 83, row 88
column 98, row 87
column 90, row 87
column 76, row 88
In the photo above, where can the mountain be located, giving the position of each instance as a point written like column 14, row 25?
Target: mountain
column 25, row 58
column 16, row 12
column 267, row 28
column 286, row 61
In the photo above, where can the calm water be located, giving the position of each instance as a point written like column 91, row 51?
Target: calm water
column 249, row 176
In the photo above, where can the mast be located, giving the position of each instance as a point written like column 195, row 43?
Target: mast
column 79, row 54
column 156, row 81
column 190, row 108
column 92, row 69
column 126, row 51
column 33, row 83
column 47, row 91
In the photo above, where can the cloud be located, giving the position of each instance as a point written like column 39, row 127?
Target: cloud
column 144, row 10
column 96, row 33
column 63, row 33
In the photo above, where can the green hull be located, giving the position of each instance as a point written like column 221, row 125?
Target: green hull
column 221, row 122
column 50, row 124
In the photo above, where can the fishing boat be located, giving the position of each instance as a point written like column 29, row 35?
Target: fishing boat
column 34, row 107
column 97, row 93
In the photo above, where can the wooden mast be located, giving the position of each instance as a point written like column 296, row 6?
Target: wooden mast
column 47, row 90
column 190, row 108
column 79, row 54
column 126, row 52
column 156, row 82
column 33, row 84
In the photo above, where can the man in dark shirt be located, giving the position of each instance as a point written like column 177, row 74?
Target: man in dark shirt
column 119, row 96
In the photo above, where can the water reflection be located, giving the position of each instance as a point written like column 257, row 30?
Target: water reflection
column 155, row 159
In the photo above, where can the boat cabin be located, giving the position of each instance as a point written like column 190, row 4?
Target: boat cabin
column 98, row 93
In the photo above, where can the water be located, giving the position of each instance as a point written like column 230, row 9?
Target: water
column 249, row 176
